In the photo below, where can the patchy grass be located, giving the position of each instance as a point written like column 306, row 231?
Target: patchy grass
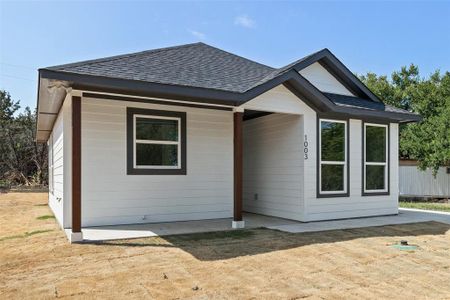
column 358, row 263
column 235, row 234
column 24, row 235
column 445, row 207
column 45, row 217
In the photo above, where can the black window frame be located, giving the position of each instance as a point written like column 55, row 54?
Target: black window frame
column 131, row 170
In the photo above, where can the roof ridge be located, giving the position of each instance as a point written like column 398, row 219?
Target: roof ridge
column 120, row 56
column 286, row 68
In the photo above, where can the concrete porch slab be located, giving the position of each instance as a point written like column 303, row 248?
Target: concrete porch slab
column 115, row 232
column 103, row 233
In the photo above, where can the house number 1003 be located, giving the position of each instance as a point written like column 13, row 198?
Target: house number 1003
column 305, row 147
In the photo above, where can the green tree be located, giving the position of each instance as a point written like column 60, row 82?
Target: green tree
column 429, row 140
column 22, row 160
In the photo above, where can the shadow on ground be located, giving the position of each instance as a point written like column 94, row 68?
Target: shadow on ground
column 230, row 244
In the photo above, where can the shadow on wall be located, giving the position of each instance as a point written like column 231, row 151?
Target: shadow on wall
column 231, row 244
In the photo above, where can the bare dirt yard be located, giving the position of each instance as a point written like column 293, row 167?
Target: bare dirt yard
column 36, row 262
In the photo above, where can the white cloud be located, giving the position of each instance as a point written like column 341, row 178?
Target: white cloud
column 197, row 34
column 244, row 21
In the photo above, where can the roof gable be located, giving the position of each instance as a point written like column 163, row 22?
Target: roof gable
column 324, row 80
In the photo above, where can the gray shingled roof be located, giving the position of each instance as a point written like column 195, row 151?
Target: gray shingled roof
column 202, row 66
column 355, row 102
column 194, row 65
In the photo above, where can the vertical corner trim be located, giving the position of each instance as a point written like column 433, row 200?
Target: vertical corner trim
column 238, row 165
column 76, row 164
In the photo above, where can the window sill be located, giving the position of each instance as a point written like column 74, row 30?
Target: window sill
column 333, row 195
column 375, row 194
column 133, row 171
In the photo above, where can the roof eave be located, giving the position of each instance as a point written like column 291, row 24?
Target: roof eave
column 291, row 79
column 142, row 88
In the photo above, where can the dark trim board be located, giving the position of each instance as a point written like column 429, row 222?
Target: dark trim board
column 76, row 164
column 131, row 111
column 152, row 101
column 238, row 164
column 47, row 113
column 318, row 194
column 388, row 160
column 93, row 83
column 254, row 114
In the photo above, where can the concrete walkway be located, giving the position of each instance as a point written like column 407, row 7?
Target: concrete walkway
column 254, row 221
column 404, row 216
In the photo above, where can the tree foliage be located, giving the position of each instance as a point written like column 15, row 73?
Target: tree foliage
column 427, row 141
column 22, row 160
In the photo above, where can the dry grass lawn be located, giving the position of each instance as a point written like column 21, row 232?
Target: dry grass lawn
column 36, row 261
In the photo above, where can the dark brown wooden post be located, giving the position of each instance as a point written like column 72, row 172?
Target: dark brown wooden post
column 76, row 165
column 238, row 172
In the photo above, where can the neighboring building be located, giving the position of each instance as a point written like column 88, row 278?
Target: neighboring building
column 422, row 184
column 193, row 132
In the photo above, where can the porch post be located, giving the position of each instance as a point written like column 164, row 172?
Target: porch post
column 76, row 234
column 238, row 172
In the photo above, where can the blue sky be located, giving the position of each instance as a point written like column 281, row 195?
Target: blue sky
column 367, row 36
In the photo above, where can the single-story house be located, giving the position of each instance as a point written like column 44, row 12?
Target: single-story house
column 193, row 132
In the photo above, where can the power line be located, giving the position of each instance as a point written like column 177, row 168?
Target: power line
column 18, row 77
column 19, row 66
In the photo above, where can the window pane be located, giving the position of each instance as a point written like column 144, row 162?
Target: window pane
column 156, row 155
column 156, row 129
column 375, row 144
column 375, row 177
column 333, row 141
column 332, row 178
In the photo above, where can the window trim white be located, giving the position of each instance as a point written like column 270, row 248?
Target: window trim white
column 385, row 164
column 344, row 163
column 158, row 142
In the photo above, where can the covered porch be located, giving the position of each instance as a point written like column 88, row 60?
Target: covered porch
column 259, row 185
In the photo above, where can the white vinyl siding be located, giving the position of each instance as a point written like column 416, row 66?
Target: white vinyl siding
column 50, row 164
column 356, row 205
column 286, row 182
column 56, row 168
column 323, row 80
column 110, row 196
column 279, row 100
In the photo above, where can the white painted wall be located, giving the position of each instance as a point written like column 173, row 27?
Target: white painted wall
column 273, row 166
column 415, row 182
column 279, row 100
column 67, row 199
column 110, row 196
column 56, row 142
column 59, row 200
column 356, row 205
column 323, row 80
